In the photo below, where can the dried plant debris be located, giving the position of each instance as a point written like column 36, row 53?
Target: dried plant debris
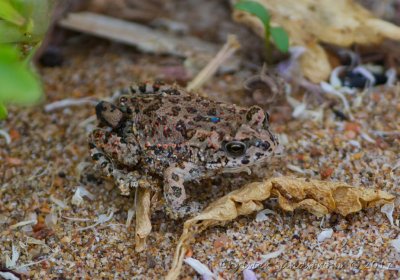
column 317, row 197
column 265, row 88
column 143, row 223
column 312, row 22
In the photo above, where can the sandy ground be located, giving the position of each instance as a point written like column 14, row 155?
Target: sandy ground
column 39, row 174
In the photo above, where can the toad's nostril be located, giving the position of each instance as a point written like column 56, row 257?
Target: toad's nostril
column 109, row 114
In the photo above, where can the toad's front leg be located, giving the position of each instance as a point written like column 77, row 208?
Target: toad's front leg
column 174, row 190
column 123, row 179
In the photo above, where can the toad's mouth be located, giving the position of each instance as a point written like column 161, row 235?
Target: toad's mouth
column 245, row 168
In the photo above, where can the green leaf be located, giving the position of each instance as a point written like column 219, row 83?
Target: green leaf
column 18, row 83
column 280, row 38
column 10, row 14
column 37, row 17
column 3, row 112
column 9, row 54
column 256, row 9
column 10, row 33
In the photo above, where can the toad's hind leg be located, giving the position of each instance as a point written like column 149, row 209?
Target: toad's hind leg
column 174, row 191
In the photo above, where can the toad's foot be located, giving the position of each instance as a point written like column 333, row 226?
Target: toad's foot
column 126, row 181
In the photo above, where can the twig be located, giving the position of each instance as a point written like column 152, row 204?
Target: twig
column 229, row 48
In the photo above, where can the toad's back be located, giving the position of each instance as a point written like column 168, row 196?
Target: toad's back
column 176, row 117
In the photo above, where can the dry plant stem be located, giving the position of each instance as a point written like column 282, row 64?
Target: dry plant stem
column 317, row 197
column 144, row 38
column 143, row 223
column 229, row 48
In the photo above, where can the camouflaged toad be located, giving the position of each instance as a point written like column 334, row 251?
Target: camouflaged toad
column 160, row 132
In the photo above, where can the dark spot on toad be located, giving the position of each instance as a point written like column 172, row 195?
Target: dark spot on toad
column 212, row 112
column 167, row 132
column 174, row 100
column 198, row 118
column 245, row 161
column 153, row 107
column 175, row 177
column 191, row 110
column 142, row 88
column 175, row 111
column 177, row 191
column 259, row 155
column 147, row 100
column 205, row 103
column 96, row 156
column 162, row 120
column 190, row 133
column 250, row 113
column 180, row 126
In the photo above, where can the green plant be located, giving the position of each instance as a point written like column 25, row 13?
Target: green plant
column 19, row 84
column 23, row 24
column 277, row 34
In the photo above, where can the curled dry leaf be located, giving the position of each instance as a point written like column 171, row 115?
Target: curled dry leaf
column 317, row 197
column 143, row 223
column 311, row 22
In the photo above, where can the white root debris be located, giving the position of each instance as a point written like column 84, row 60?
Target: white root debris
column 334, row 77
column 265, row 258
column 77, row 219
column 69, row 102
column 367, row 138
column 388, row 209
column 200, row 268
column 367, row 74
column 325, row 234
column 23, row 223
column 329, row 89
column 249, row 274
column 12, row 263
column 262, row 215
column 81, row 192
column 396, row 244
column 391, row 75
column 295, row 168
column 58, row 202
column 131, row 214
column 8, row 276
column 101, row 219
column 6, row 136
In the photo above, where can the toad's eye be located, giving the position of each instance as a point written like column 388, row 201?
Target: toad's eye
column 235, row 148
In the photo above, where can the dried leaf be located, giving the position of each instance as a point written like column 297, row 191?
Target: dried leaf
column 317, row 197
column 311, row 22
column 143, row 223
